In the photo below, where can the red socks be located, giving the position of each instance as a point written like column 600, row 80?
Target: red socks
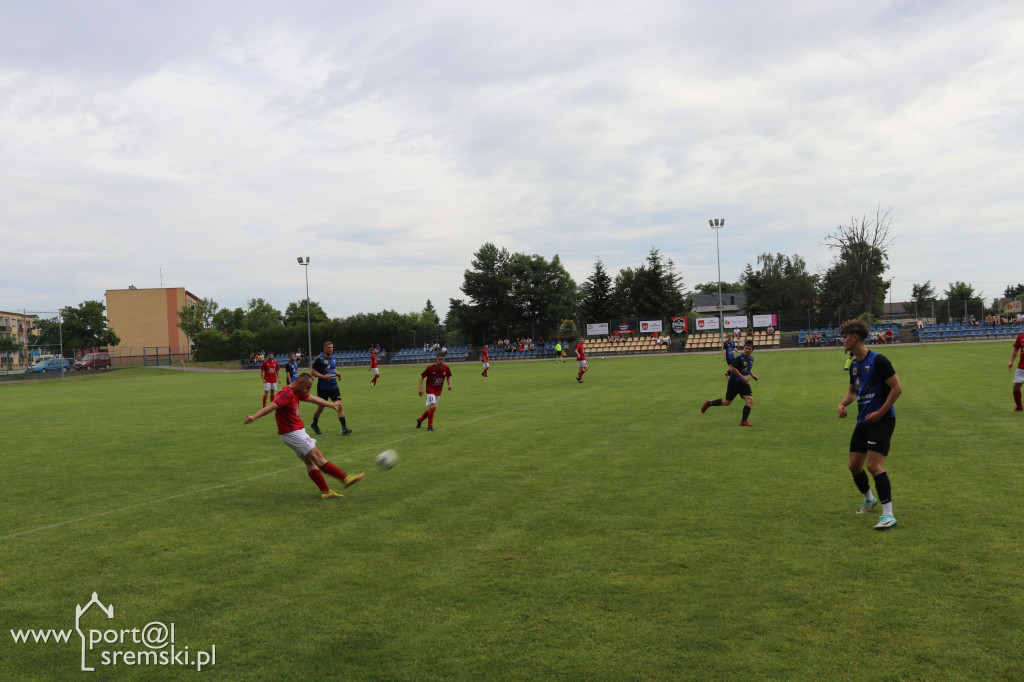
column 264, row 400
column 333, row 471
column 430, row 419
column 318, row 478
column 423, row 416
column 374, row 382
column 1016, row 399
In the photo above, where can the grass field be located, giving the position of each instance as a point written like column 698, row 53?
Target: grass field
column 546, row 530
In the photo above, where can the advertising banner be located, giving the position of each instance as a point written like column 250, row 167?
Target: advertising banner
column 597, row 329
column 1011, row 305
column 650, row 326
column 624, row 328
column 680, row 325
column 706, row 323
column 736, row 322
column 766, row 320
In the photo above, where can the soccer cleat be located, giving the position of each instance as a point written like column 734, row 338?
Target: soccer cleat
column 705, row 406
column 885, row 522
column 418, row 423
column 745, row 424
column 579, row 380
column 430, row 428
column 345, row 430
column 329, row 494
column 1018, row 409
column 353, row 479
column 867, row 506
column 316, row 429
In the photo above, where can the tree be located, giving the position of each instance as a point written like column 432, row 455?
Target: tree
column 862, row 247
column 961, row 300
column 711, row 288
column 923, row 296
column 8, row 346
column 1013, row 291
column 654, row 289
column 46, row 332
column 782, row 283
column 227, row 321
column 541, row 289
column 295, row 313
column 193, row 319
column 430, row 313
column 86, row 326
column 259, row 315
column 597, row 302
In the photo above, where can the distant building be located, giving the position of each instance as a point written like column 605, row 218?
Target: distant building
column 16, row 326
column 732, row 303
column 148, row 318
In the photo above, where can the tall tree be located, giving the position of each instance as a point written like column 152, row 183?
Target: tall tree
column 1013, row 291
column 430, row 313
column 193, row 319
column 228, row 320
column 781, row 283
column 862, row 253
column 86, row 326
column 596, row 295
column 259, row 315
column 295, row 313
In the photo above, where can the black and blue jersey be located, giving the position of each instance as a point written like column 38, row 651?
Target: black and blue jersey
column 868, row 376
column 328, row 366
column 744, row 365
column 292, row 369
column 730, row 351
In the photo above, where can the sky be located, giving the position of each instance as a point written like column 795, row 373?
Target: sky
column 207, row 145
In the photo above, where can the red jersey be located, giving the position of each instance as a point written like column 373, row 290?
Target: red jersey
column 435, row 377
column 287, row 413
column 373, row 360
column 485, row 355
column 1019, row 345
column 580, row 355
column 269, row 370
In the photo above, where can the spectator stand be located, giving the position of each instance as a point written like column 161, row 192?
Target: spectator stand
column 830, row 336
column 708, row 341
column 959, row 331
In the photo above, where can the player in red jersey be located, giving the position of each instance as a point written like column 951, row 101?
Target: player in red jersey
column 268, row 370
column 581, row 360
column 485, row 360
column 435, row 375
column 292, row 432
column 373, row 367
column 1018, row 376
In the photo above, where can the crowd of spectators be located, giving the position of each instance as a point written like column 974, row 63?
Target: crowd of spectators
column 517, row 345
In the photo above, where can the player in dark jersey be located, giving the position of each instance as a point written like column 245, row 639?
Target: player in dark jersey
column 729, row 350
column 325, row 369
column 875, row 387
column 740, row 375
column 291, row 368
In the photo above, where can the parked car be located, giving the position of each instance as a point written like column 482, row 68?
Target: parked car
column 51, row 365
column 94, row 361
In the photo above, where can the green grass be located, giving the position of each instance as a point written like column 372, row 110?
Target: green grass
column 546, row 530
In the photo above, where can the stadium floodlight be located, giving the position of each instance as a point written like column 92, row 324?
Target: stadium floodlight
column 716, row 225
column 309, row 329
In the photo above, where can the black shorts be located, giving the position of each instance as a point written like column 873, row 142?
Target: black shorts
column 875, row 437
column 736, row 388
column 330, row 394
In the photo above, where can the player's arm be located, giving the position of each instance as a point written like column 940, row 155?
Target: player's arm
column 262, row 413
column 1013, row 356
column 421, row 384
column 895, row 390
column 315, row 372
column 851, row 395
column 317, row 400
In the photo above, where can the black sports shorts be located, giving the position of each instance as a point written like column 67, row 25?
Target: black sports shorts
column 330, row 394
column 736, row 388
column 874, row 437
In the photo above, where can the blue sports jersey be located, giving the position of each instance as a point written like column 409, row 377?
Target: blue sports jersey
column 328, row 366
column 868, row 376
column 292, row 369
column 730, row 351
column 744, row 365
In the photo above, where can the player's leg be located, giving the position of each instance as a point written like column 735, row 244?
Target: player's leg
column 749, row 400
column 430, row 417
column 1016, row 393
column 316, row 417
column 860, row 479
column 323, row 465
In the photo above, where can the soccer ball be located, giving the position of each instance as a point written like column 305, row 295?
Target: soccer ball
column 387, row 459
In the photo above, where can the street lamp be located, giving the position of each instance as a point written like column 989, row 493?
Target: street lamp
column 309, row 330
column 716, row 225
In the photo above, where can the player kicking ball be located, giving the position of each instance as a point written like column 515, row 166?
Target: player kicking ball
column 435, row 374
column 740, row 375
column 292, row 432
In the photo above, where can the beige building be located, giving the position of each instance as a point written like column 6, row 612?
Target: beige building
column 148, row 318
column 17, row 326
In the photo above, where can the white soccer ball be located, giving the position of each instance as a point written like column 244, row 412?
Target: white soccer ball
column 387, row 459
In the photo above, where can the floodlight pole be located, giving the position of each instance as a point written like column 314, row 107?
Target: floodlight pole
column 309, row 330
column 716, row 225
